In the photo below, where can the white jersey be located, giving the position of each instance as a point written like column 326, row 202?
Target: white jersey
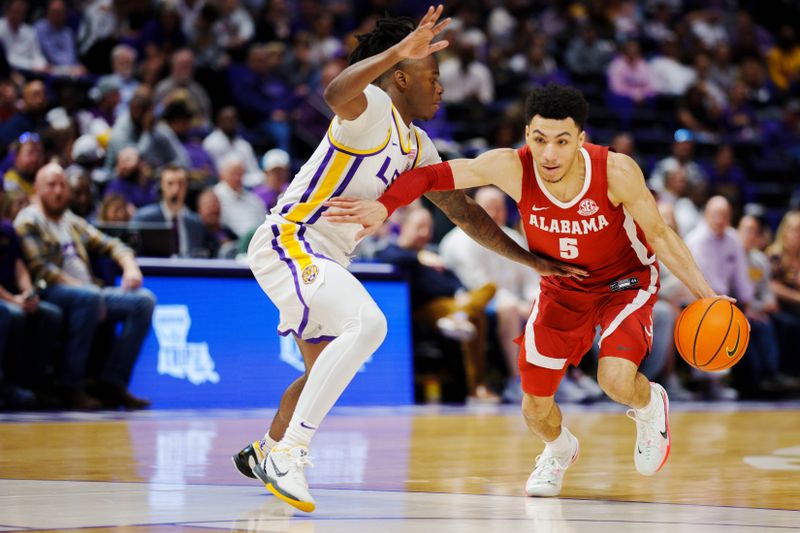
column 358, row 158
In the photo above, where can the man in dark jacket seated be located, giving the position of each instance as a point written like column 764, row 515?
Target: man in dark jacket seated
column 188, row 233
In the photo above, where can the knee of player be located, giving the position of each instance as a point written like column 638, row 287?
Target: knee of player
column 615, row 385
column 373, row 324
column 537, row 408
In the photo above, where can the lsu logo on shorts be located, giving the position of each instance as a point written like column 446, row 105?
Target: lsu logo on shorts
column 310, row 274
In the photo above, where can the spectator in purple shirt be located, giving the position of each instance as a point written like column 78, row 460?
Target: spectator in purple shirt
column 719, row 253
column 130, row 181
column 721, row 257
column 740, row 116
column 727, row 177
column 160, row 38
column 630, row 81
column 163, row 35
column 263, row 97
column 276, row 177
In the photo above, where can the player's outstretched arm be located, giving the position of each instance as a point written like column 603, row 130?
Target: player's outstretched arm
column 626, row 186
column 499, row 167
column 475, row 222
column 345, row 93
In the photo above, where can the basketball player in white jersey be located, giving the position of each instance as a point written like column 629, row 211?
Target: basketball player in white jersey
column 300, row 259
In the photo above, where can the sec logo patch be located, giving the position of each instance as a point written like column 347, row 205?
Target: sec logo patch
column 310, row 273
column 587, row 208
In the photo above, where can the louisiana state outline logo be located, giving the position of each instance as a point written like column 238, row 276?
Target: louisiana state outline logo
column 587, row 208
column 310, row 274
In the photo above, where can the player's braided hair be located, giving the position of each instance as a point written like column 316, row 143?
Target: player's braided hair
column 388, row 32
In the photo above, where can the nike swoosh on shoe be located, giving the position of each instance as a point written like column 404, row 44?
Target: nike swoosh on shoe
column 275, row 467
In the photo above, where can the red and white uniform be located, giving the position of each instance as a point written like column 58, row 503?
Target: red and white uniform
column 619, row 293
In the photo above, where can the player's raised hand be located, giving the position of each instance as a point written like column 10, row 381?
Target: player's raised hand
column 417, row 44
column 369, row 213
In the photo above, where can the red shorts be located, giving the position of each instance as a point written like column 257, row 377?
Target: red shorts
column 562, row 327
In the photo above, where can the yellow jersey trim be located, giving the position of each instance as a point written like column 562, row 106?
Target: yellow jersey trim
column 324, row 190
column 291, row 244
column 354, row 151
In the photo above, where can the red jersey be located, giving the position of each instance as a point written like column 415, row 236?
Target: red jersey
column 588, row 231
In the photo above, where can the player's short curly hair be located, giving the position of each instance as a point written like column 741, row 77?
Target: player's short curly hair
column 388, row 32
column 557, row 102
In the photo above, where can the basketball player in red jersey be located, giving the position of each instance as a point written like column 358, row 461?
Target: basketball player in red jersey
column 588, row 207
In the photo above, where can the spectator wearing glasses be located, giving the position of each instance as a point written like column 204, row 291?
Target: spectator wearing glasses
column 29, row 157
column 56, row 244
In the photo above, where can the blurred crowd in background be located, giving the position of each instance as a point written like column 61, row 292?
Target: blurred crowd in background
column 192, row 115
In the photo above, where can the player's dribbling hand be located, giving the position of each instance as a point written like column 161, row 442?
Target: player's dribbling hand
column 551, row 267
column 369, row 213
column 710, row 294
column 417, row 44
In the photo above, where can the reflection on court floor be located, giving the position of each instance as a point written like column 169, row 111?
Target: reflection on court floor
column 410, row 469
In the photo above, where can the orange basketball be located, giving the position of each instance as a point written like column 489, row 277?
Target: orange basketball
column 712, row 334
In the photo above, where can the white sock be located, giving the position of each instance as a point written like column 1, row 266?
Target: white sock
column 299, row 433
column 561, row 446
column 651, row 408
column 269, row 442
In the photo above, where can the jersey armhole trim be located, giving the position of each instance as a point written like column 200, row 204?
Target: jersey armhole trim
column 354, row 151
column 404, row 148
column 419, row 149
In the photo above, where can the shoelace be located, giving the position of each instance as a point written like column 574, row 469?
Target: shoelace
column 648, row 429
column 297, row 462
column 548, row 467
column 304, row 461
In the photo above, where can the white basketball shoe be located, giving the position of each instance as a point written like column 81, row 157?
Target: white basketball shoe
column 548, row 474
column 652, row 433
column 282, row 471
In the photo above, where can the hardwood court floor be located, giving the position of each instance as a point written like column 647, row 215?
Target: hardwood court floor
column 418, row 469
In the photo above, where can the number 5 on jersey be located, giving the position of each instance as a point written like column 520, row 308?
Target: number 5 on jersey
column 568, row 248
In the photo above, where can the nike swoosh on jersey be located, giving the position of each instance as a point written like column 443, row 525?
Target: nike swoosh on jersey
column 534, row 208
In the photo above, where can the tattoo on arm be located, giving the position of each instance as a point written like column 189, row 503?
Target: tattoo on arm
column 475, row 222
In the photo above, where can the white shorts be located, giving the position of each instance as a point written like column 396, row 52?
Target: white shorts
column 288, row 262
